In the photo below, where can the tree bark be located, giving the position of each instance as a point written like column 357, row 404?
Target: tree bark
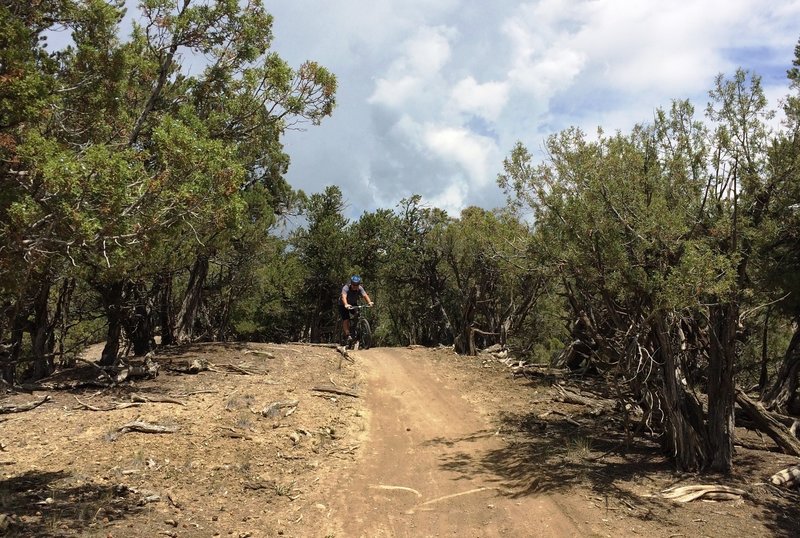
column 721, row 389
column 192, row 299
column 166, row 315
column 139, row 326
column 768, row 424
column 464, row 343
column 685, row 428
column 42, row 337
column 112, row 295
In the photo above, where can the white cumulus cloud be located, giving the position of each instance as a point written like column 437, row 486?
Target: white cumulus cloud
column 464, row 148
column 486, row 100
column 422, row 58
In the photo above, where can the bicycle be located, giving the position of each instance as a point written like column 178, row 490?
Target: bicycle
column 360, row 331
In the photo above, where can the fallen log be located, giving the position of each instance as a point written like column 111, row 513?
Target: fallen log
column 568, row 396
column 14, row 408
column 147, row 369
column 766, row 423
column 788, row 478
column 717, row 492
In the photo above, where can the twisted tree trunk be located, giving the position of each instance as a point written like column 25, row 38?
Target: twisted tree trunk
column 192, row 300
column 112, row 296
column 721, row 389
column 685, row 429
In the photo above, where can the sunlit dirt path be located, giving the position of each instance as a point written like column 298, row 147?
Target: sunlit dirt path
column 415, row 475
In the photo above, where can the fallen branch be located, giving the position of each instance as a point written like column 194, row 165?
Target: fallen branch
column 529, row 371
column 195, row 367
column 334, row 390
column 274, row 409
column 715, row 492
column 567, row 417
column 13, row 408
column 143, row 427
column 567, row 396
column 155, row 399
column 111, row 408
column 788, row 478
column 343, row 351
column 330, row 346
column 192, row 393
column 267, row 354
column 766, row 423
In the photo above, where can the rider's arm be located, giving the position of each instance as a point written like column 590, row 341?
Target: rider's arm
column 344, row 297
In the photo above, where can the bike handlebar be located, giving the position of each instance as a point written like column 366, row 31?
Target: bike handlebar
column 358, row 307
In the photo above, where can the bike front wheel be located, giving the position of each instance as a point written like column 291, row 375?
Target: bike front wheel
column 364, row 334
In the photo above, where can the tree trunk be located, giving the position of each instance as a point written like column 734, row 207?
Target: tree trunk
column 42, row 337
column 192, row 300
column 112, row 295
column 139, row 327
column 685, row 431
column 166, row 315
column 315, row 325
column 782, row 394
column 464, row 343
column 13, row 349
column 721, row 389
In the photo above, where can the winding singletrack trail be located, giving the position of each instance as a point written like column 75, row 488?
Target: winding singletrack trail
column 416, row 475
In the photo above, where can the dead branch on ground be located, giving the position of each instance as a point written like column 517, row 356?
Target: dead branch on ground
column 142, row 427
column 267, row 354
column 716, row 492
column 195, row 367
column 14, row 408
column 274, row 409
column 115, row 407
column 765, row 422
column 788, row 478
column 154, row 398
column 334, row 390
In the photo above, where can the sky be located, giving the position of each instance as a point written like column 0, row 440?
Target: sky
column 433, row 94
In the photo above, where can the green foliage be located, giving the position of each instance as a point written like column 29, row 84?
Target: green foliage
column 118, row 167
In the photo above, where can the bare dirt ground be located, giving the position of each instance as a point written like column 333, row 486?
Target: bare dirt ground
column 427, row 444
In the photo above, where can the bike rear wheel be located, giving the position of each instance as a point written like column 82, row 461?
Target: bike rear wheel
column 364, row 334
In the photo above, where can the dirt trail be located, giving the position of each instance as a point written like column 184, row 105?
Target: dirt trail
column 410, row 479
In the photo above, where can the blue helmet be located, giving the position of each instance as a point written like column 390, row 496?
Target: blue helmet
column 355, row 279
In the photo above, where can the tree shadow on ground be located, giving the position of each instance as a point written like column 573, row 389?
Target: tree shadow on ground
column 56, row 504
column 591, row 453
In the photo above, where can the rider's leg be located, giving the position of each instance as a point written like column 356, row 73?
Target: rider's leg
column 345, row 315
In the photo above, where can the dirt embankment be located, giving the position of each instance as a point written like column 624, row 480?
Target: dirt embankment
column 403, row 442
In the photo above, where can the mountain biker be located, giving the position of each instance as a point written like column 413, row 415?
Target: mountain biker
column 351, row 293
